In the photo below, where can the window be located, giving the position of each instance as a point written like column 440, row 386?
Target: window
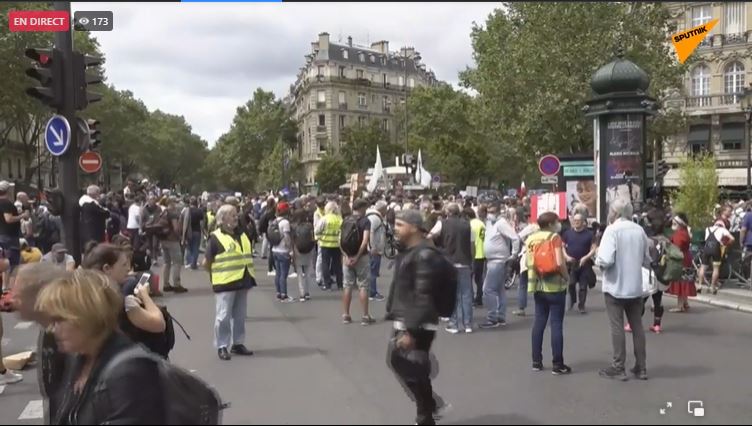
column 733, row 79
column 345, row 53
column 401, row 81
column 342, row 98
column 411, row 82
column 322, row 144
column 341, row 121
column 321, row 70
column 321, row 97
column 18, row 163
column 362, row 57
column 373, row 99
column 359, row 73
column 10, row 169
column 698, row 139
column 734, row 18
column 342, row 72
column 386, row 103
column 385, row 125
column 322, row 120
column 700, row 15
column 701, row 83
column 312, row 103
column 732, row 136
column 362, row 100
column 383, row 60
column 361, row 121
column 373, row 59
column 386, row 81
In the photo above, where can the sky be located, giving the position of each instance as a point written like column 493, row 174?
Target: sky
column 203, row 60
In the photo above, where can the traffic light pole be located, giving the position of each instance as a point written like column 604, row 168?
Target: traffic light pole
column 69, row 160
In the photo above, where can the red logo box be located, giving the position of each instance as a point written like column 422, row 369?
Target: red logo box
column 38, row 21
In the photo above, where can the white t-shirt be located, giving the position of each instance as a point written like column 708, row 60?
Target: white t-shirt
column 285, row 246
column 50, row 258
column 719, row 231
column 134, row 216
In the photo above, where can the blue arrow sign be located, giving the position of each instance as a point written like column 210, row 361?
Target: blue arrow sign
column 57, row 135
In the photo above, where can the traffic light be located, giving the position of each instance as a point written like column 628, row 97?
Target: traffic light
column 662, row 170
column 94, row 133
column 82, row 79
column 48, row 70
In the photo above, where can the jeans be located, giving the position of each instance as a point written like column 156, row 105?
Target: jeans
column 616, row 309
column 332, row 267
column 463, row 311
column 271, row 256
column 304, row 263
column 282, row 265
column 229, row 325
column 479, row 269
column 375, row 269
column 172, row 262
column 413, row 372
column 522, row 291
column 265, row 246
column 194, row 242
column 494, row 293
column 549, row 305
column 319, row 265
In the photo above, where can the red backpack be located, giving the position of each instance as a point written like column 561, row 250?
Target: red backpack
column 545, row 258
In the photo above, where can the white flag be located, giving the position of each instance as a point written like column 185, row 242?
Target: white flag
column 422, row 177
column 378, row 172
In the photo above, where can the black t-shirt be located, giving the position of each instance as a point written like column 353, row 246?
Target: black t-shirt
column 196, row 215
column 12, row 230
column 364, row 224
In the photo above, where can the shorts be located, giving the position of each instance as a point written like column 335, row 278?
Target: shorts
column 714, row 259
column 358, row 276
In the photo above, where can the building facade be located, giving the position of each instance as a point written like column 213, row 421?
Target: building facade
column 714, row 89
column 342, row 85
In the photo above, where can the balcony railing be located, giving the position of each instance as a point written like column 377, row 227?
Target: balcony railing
column 362, row 106
column 736, row 38
column 343, row 106
column 320, row 105
column 321, row 129
column 708, row 42
column 709, row 101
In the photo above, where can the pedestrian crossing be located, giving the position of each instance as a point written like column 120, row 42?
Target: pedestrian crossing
column 34, row 410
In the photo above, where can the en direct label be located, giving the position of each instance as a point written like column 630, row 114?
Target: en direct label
column 38, row 21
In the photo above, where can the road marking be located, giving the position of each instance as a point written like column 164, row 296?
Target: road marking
column 23, row 325
column 33, row 410
column 2, row 389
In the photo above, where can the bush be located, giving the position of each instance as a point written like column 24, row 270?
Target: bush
column 698, row 190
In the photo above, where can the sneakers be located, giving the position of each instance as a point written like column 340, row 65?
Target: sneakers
column 639, row 374
column 286, row 299
column 366, row 321
column 180, row 289
column 346, row 319
column 223, row 354
column 468, row 330
column 294, row 275
column 452, row 329
column 302, row 299
column 537, row 366
column 560, row 370
column 307, row 297
column 656, row 329
column 519, row 313
column 490, row 324
column 271, row 274
column 613, row 373
column 440, row 412
column 10, row 378
column 377, row 298
column 628, row 328
column 444, row 319
column 582, row 311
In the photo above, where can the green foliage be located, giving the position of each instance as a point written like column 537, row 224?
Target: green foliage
column 698, row 190
column 358, row 146
column 331, row 173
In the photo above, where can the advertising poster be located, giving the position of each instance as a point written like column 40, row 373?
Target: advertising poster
column 583, row 191
column 549, row 202
column 624, row 158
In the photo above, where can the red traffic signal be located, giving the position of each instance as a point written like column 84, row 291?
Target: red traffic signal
column 48, row 71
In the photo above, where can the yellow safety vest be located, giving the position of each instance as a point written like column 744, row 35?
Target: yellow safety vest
column 330, row 237
column 321, row 214
column 209, row 220
column 229, row 266
column 479, row 232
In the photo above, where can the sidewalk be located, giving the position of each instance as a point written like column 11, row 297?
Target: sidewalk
column 737, row 299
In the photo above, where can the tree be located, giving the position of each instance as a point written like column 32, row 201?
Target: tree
column 698, row 190
column 528, row 106
column 277, row 169
column 331, row 173
column 358, row 149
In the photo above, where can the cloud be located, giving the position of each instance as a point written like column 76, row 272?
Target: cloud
column 203, row 60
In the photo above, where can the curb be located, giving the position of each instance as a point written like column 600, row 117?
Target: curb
column 707, row 300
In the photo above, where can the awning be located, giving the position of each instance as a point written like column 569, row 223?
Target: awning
column 699, row 135
column 726, row 177
column 732, row 132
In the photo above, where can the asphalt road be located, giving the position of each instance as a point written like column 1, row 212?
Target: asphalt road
column 309, row 368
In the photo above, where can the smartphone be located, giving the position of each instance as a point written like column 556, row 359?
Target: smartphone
column 144, row 279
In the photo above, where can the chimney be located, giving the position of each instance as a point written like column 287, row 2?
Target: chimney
column 324, row 41
column 349, row 41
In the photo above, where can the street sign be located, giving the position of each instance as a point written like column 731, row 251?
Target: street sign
column 553, row 180
column 90, row 162
column 57, row 135
column 549, row 165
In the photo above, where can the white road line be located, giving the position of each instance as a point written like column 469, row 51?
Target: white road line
column 33, row 410
column 23, row 325
column 2, row 389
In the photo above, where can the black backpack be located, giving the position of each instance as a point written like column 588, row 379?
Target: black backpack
column 712, row 245
column 188, row 399
column 273, row 234
column 445, row 282
column 305, row 241
column 350, row 237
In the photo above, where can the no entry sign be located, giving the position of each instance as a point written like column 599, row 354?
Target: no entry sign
column 90, row 162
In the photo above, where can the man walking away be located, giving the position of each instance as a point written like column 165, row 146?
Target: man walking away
column 281, row 250
column 455, row 239
column 229, row 260
column 376, row 246
column 93, row 216
column 411, row 305
column 478, row 228
column 501, row 245
column 149, row 222
column 193, row 232
column 318, row 215
column 266, row 218
column 623, row 251
column 328, row 233
column 580, row 248
column 717, row 240
column 304, row 245
column 170, row 240
column 354, row 239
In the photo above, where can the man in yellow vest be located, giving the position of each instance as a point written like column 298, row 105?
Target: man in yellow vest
column 328, row 233
column 478, row 235
column 229, row 260
column 317, row 216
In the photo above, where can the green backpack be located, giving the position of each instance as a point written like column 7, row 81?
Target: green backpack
column 671, row 264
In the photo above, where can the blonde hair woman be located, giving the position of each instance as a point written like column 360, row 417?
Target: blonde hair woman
column 83, row 311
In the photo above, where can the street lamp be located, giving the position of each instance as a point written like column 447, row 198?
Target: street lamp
column 415, row 57
column 747, row 109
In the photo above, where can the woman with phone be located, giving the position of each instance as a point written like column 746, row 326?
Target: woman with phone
column 142, row 319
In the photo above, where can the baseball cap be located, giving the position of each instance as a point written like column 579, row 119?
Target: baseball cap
column 59, row 248
column 4, row 186
column 412, row 217
column 283, row 208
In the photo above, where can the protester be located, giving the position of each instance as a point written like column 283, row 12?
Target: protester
column 412, row 308
column 10, row 232
column 376, row 247
column 7, row 377
column 93, row 216
column 354, row 240
column 717, row 241
column 549, row 290
column 579, row 251
column 60, row 258
column 83, row 310
column 478, row 228
column 622, row 253
column 193, row 227
column 685, row 288
column 304, row 248
column 229, row 260
column 501, row 245
column 328, row 233
column 318, row 215
column 282, row 250
column 169, row 239
column 522, row 290
column 150, row 215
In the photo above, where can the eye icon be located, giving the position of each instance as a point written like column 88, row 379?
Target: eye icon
column 83, row 21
